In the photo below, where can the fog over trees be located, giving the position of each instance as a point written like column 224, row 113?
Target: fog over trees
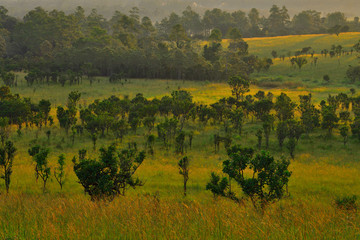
column 157, row 9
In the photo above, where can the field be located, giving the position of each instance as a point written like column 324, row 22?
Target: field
column 323, row 170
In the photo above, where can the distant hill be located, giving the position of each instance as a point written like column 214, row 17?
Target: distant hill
column 157, row 9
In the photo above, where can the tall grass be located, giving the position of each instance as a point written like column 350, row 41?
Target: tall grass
column 323, row 170
column 147, row 217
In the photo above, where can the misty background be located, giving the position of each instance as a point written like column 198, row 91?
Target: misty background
column 158, row 9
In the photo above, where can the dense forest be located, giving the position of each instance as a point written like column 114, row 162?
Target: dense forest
column 58, row 47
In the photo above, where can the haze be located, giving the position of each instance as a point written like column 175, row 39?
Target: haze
column 157, row 9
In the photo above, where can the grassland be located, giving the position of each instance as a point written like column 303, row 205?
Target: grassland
column 323, row 170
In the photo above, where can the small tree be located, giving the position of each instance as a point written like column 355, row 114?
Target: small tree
column 7, row 154
column 259, row 135
column 59, row 172
column 184, row 171
column 268, row 121
column 326, row 78
column 4, row 130
column 112, row 174
column 329, row 118
column 281, row 133
column 344, row 130
column 291, row 145
column 150, row 142
column 217, row 185
column 180, row 143
column 94, row 138
column 42, row 169
column 267, row 182
column 239, row 86
column 300, row 61
column 274, row 54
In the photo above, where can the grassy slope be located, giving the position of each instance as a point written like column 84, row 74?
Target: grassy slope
column 323, row 170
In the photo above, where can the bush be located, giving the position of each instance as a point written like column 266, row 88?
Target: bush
column 346, row 203
column 111, row 175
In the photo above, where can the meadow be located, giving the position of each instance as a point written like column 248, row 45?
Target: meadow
column 323, row 170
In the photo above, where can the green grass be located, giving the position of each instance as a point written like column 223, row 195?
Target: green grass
column 323, row 170
column 263, row 46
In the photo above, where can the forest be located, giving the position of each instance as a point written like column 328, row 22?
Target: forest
column 53, row 46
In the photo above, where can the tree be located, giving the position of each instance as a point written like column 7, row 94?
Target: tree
column 2, row 46
column 218, row 186
column 310, row 116
column 337, row 29
column 7, row 154
column 112, row 174
column 215, row 36
column 291, row 145
column 119, row 129
column 281, row 133
column 59, row 171
column 277, row 21
column 239, row 86
column 326, row 78
column 268, row 121
column 42, row 169
column 329, row 118
column 45, row 107
column 269, row 177
column 344, row 130
column 300, row 61
column 178, row 35
column 180, row 143
column 274, row 54
column 4, row 130
column 259, row 135
column 335, row 18
column 181, row 105
column 284, row 107
column 353, row 73
column 184, row 170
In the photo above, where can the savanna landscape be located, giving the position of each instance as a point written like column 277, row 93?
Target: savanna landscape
column 227, row 125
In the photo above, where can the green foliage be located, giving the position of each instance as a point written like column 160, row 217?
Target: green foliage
column 284, row 107
column 344, row 131
column 266, row 183
column 329, row 118
column 59, row 171
column 239, row 86
column 281, row 133
column 180, row 143
column 184, row 170
column 112, row 174
column 291, row 145
column 216, row 35
column 300, row 61
column 7, row 154
column 310, row 116
column 353, row 73
column 218, row 186
column 42, row 169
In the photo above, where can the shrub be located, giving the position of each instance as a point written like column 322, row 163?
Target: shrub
column 346, row 203
column 112, row 174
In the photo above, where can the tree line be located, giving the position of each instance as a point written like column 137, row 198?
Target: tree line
column 167, row 124
column 54, row 47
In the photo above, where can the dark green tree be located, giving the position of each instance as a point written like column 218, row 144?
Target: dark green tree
column 112, row 174
column 42, row 169
column 184, row 171
column 59, row 171
column 7, row 155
